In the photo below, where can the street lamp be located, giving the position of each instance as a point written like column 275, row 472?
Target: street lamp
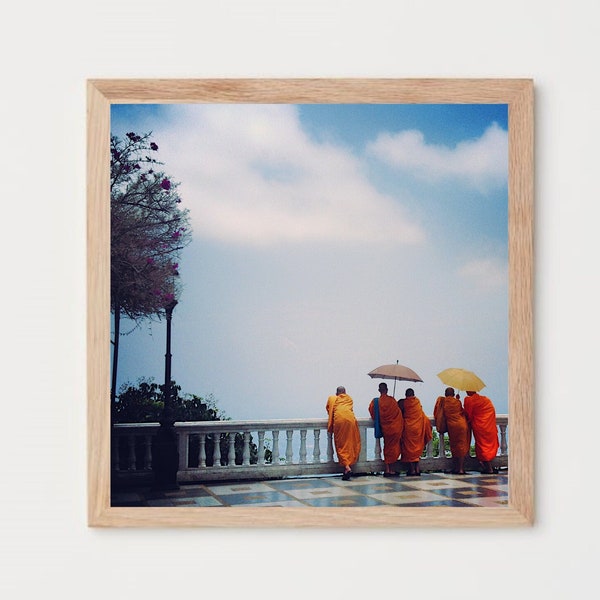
column 168, row 412
column 165, row 454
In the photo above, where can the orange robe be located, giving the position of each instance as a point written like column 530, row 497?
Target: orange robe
column 481, row 415
column 417, row 430
column 459, row 432
column 342, row 423
column 392, row 425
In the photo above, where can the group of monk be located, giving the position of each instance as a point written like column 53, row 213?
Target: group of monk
column 406, row 430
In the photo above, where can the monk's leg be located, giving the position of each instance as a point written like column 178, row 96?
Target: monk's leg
column 487, row 467
column 459, row 465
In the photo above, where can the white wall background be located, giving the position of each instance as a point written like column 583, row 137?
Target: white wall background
column 48, row 50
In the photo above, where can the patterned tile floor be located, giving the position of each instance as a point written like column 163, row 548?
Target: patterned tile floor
column 430, row 489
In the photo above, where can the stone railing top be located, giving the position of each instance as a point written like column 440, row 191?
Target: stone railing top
column 264, row 425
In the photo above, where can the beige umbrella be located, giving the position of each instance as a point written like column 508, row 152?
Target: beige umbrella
column 461, row 379
column 396, row 372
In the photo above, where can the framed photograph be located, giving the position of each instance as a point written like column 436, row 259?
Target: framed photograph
column 264, row 251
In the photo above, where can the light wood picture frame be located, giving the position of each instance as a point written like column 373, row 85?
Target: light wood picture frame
column 516, row 93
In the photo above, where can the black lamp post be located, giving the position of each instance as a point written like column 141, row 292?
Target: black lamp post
column 165, row 453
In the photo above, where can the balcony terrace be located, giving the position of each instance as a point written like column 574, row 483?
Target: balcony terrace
column 281, row 463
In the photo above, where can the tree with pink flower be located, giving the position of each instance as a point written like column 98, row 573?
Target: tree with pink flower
column 148, row 232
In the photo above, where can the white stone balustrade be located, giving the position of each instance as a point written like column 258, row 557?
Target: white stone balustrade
column 260, row 456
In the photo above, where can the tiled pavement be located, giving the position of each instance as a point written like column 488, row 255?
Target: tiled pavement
column 430, row 489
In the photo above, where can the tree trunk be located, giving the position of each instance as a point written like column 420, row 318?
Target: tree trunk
column 115, row 361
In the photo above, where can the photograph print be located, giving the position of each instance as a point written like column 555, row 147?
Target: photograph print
column 310, row 307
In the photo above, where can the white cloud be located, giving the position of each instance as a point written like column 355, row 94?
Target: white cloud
column 480, row 162
column 251, row 175
column 485, row 273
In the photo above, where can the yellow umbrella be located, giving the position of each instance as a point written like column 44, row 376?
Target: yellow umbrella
column 461, row 379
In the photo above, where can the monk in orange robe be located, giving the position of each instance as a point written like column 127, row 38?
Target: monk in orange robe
column 344, row 426
column 417, row 431
column 450, row 409
column 392, row 425
column 481, row 416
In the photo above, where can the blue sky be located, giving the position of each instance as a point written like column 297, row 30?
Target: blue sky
column 329, row 240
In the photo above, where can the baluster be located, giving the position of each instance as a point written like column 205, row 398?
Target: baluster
column 275, row 451
column 216, row 449
column 317, row 449
column 362, row 457
column 116, row 454
column 289, row 454
column 147, row 452
column 246, row 451
column 329, row 446
column 261, row 448
column 183, row 442
column 377, row 448
column 429, row 449
column 231, row 455
column 303, row 446
column 131, row 456
column 503, row 444
column 202, row 450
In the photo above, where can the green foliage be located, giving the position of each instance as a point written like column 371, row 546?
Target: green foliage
column 144, row 403
column 436, row 444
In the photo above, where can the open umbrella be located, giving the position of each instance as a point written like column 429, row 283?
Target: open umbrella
column 461, row 379
column 396, row 372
